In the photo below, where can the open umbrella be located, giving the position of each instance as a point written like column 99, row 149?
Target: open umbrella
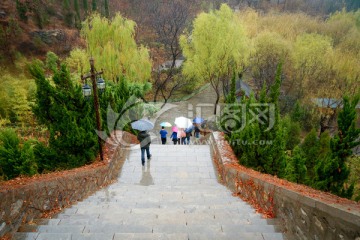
column 198, row 120
column 174, row 129
column 165, row 124
column 142, row 125
column 183, row 122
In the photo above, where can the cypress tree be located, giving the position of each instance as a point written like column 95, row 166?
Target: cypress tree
column 69, row 17
column 106, row 5
column 85, row 6
column 15, row 158
column 292, row 131
column 77, row 9
column 69, row 118
column 311, row 147
column 93, row 5
column 273, row 155
column 296, row 170
column 22, row 10
column 333, row 172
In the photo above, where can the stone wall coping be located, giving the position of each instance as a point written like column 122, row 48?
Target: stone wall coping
column 344, row 211
column 58, row 190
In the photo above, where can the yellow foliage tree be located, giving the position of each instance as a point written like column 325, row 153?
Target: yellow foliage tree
column 216, row 48
column 111, row 43
column 270, row 49
column 78, row 61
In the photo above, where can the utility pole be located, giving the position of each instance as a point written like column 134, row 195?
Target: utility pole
column 93, row 74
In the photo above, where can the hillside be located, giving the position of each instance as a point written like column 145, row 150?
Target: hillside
column 38, row 29
column 33, row 27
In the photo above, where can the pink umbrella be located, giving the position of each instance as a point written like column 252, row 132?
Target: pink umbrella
column 174, row 129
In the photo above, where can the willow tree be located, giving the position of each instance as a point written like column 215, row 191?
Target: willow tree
column 215, row 49
column 78, row 62
column 112, row 44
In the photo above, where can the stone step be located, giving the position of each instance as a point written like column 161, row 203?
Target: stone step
column 213, row 211
column 183, row 201
column 199, row 200
column 170, row 207
column 147, row 236
column 144, row 218
column 194, row 227
column 246, row 218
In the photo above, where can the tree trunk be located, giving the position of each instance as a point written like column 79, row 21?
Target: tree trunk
column 323, row 123
column 217, row 100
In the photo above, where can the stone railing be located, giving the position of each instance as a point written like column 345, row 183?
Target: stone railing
column 305, row 213
column 23, row 200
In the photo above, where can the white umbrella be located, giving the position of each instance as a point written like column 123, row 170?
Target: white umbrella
column 183, row 122
column 142, row 125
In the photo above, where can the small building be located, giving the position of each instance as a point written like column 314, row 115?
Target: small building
column 167, row 65
column 242, row 88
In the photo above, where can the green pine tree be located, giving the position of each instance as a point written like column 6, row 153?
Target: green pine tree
column 292, row 132
column 295, row 169
column 68, row 14
column 69, row 118
column 85, row 6
column 231, row 97
column 273, row 155
column 15, row 158
column 93, row 5
column 22, row 10
column 77, row 9
column 333, row 172
column 52, row 61
column 311, row 147
column 106, row 6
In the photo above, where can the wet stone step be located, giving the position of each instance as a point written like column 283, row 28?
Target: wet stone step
column 150, row 236
column 183, row 201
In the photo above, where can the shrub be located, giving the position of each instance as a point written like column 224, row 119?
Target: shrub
column 15, row 159
column 22, row 10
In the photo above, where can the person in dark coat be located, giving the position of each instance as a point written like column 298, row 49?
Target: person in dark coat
column 174, row 137
column 188, row 134
column 145, row 140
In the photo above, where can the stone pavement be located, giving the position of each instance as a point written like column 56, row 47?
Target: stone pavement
column 200, row 105
column 175, row 196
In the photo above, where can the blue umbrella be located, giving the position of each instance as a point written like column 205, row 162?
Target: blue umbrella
column 142, row 125
column 198, row 120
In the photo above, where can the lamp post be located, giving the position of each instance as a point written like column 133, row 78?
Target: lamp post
column 100, row 84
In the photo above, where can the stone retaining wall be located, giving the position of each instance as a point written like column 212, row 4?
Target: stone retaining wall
column 54, row 191
column 305, row 213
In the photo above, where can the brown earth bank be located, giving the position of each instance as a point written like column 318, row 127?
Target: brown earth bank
column 108, row 151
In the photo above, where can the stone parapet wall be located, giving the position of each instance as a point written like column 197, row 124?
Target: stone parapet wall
column 305, row 213
column 34, row 198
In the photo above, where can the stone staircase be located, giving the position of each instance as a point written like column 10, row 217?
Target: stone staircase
column 175, row 196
